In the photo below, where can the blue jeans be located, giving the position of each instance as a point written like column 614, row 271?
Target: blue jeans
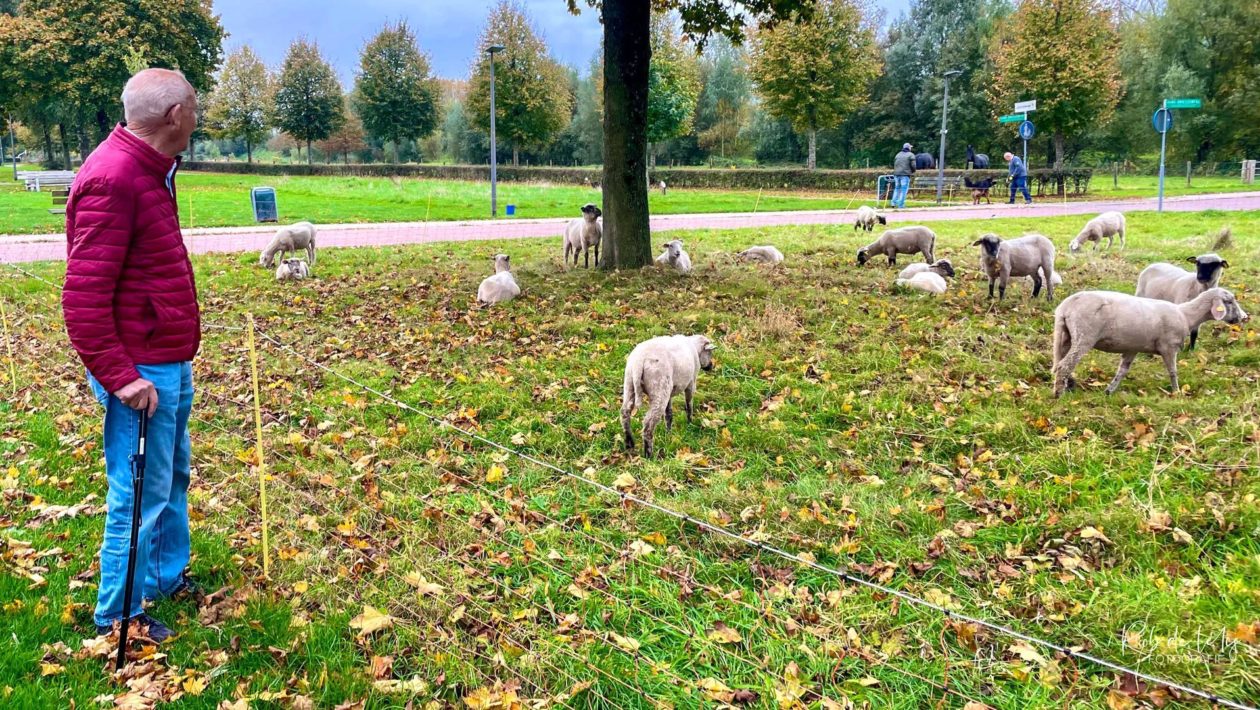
column 902, row 186
column 1020, row 183
column 162, row 547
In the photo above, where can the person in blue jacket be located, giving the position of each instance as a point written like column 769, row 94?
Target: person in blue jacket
column 1019, row 178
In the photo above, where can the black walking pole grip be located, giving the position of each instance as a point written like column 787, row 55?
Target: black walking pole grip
column 137, row 492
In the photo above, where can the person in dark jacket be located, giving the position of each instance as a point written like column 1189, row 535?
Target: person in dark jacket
column 1019, row 178
column 903, row 168
column 130, row 307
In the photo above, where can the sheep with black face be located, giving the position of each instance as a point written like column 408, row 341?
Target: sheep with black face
column 1174, row 284
column 1029, row 255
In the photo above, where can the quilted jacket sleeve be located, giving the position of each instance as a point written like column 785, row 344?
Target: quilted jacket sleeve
column 103, row 216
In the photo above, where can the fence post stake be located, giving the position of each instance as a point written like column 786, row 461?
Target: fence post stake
column 258, row 446
column 8, row 341
column 1187, row 173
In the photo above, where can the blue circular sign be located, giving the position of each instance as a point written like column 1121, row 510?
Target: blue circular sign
column 1162, row 120
column 1027, row 130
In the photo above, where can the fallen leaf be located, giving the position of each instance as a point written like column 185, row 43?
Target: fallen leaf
column 624, row 482
column 722, row 633
column 371, row 621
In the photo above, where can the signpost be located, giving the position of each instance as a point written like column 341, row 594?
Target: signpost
column 1026, row 128
column 1163, row 122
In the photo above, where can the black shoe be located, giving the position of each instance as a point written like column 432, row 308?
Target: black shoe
column 188, row 589
column 141, row 625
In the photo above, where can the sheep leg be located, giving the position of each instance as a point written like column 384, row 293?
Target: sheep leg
column 991, row 280
column 1170, row 362
column 1065, row 367
column 892, row 259
column 1126, row 361
column 689, row 393
column 669, row 416
column 1036, row 284
column 586, row 257
column 1002, row 281
column 627, row 411
column 650, row 421
column 310, row 251
column 596, row 253
column 1194, row 337
column 568, row 249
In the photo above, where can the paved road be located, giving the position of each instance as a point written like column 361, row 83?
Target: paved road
column 43, row 247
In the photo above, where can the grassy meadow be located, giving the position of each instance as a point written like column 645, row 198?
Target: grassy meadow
column 910, row 439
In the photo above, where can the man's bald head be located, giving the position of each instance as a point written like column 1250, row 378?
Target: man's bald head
column 150, row 94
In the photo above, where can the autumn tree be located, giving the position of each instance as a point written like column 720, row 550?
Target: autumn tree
column 814, row 72
column 242, row 102
column 723, row 110
column 309, row 103
column 532, row 96
column 1063, row 53
column 346, row 139
column 673, row 84
column 394, row 94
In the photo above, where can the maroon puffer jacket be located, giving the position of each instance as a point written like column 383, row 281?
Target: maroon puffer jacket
column 129, row 298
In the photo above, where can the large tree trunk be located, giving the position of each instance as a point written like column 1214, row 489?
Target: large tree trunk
column 627, row 53
column 1058, row 150
column 85, row 147
column 396, row 160
column 49, row 156
column 516, row 156
column 308, row 151
column 811, row 162
column 65, row 145
column 249, row 151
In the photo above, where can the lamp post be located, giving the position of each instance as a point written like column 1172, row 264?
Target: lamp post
column 494, row 148
column 940, row 159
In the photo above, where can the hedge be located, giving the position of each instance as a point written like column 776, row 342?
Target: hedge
column 1043, row 182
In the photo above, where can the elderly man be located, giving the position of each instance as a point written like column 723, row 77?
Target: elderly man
column 130, row 308
column 903, row 168
column 1019, row 178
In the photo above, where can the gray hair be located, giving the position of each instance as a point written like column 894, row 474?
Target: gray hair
column 150, row 93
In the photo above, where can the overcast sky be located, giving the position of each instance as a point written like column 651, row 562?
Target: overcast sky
column 447, row 29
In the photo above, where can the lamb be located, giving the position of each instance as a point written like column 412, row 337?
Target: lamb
column 1105, row 226
column 1029, row 255
column 300, row 235
column 583, row 234
column 501, row 286
column 903, row 240
column 292, row 270
column 765, row 254
column 929, row 281
column 943, row 268
column 1119, row 323
column 867, row 217
column 675, row 256
column 664, row 188
column 1176, row 285
column 662, row 368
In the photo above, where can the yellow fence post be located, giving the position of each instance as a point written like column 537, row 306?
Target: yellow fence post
column 8, row 341
column 258, row 446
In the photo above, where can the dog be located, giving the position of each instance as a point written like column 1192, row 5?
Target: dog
column 979, row 189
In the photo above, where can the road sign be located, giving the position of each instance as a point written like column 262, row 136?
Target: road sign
column 1183, row 103
column 1027, row 130
column 1012, row 118
column 1026, row 106
column 1162, row 120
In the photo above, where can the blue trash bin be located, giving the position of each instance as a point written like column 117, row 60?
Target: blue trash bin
column 511, row 210
column 263, row 200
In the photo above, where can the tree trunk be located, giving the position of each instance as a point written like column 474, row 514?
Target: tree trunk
column 249, row 150
column 346, row 157
column 85, row 146
column 49, row 156
column 308, row 151
column 396, row 161
column 627, row 53
column 1058, row 150
column 65, row 145
column 812, row 161
column 516, row 156
column 102, row 126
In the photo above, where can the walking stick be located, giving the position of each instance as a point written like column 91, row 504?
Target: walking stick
column 137, row 493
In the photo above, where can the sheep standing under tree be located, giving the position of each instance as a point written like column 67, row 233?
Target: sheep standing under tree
column 582, row 235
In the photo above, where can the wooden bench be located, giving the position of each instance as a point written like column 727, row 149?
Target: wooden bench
column 37, row 180
column 949, row 184
column 60, row 197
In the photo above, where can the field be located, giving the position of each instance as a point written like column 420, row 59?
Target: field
column 214, row 200
column 908, row 439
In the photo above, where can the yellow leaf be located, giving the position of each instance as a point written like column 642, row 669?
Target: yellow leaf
column 722, row 633
column 1119, row 701
column 371, row 621
column 716, row 690
column 47, row 669
column 624, row 482
column 301, row 587
column 639, row 548
column 625, row 643
column 495, row 474
column 194, row 684
column 655, row 538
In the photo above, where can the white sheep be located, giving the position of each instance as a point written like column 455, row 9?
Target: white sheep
column 867, row 217
column 1119, row 323
column 1176, row 285
column 929, row 281
column 764, row 254
column 1029, row 255
column 584, row 234
column 1105, row 226
column 903, row 240
column 662, row 368
column 300, row 235
column 943, row 268
column 675, row 256
column 292, row 270
column 501, row 286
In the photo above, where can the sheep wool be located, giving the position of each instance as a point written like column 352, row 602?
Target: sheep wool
column 675, row 256
column 501, row 286
column 903, row 240
column 764, row 254
column 299, row 235
column 1174, row 284
column 584, row 234
column 1105, row 226
column 660, row 369
column 928, row 281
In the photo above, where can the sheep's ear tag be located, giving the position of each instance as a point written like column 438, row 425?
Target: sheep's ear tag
column 1218, row 311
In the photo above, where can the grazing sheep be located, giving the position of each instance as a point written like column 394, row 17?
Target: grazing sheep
column 584, row 234
column 867, row 217
column 1105, row 226
column 675, row 256
column 903, row 240
column 1030, row 255
column 929, row 281
column 300, row 235
column 765, row 254
column 943, row 268
column 662, row 368
column 502, row 285
column 292, row 270
column 1119, row 323
column 1176, row 285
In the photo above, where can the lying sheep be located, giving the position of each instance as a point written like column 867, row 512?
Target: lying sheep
column 903, row 240
column 584, row 234
column 943, row 268
column 1129, row 325
column 764, row 254
column 1105, row 226
column 502, row 285
column 1176, row 285
column 867, row 217
column 292, row 270
column 1029, row 255
column 300, row 235
column 929, row 281
column 662, row 368
column 675, row 256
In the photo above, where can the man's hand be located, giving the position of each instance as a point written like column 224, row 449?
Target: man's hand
column 140, row 394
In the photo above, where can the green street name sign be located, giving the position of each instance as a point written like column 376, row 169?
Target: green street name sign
column 1184, row 103
column 1012, row 118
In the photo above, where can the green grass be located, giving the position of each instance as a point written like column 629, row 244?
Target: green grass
column 911, row 437
column 1103, row 185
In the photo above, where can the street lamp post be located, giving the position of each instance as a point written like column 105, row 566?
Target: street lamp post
column 494, row 148
column 940, row 159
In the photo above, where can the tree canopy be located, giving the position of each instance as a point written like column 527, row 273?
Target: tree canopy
column 395, row 95
column 308, row 103
column 241, row 104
